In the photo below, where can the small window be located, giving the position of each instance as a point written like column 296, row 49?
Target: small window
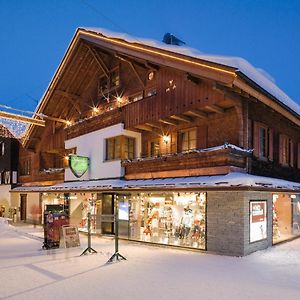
column 263, row 142
column 136, row 97
column 188, row 140
column 151, row 92
column 286, row 151
column 154, row 148
column 113, row 148
column 2, row 148
column 26, row 167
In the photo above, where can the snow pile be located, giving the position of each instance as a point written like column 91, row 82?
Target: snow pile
column 237, row 63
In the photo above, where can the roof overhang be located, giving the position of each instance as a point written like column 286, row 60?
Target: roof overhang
column 225, row 75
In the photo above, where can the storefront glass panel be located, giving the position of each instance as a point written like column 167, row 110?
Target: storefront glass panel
column 286, row 216
column 177, row 219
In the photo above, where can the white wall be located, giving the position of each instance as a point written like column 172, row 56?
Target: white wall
column 5, row 198
column 92, row 145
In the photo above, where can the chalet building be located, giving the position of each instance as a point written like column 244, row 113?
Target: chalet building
column 9, row 153
column 200, row 151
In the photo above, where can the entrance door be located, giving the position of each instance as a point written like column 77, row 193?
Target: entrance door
column 107, row 224
column 23, row 206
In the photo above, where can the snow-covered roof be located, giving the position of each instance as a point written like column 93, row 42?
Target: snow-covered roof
column 231, row 180
column 258, row 76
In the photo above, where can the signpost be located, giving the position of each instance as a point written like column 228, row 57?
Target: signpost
column 78, row 164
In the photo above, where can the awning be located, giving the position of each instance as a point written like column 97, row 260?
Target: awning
column 231, row 180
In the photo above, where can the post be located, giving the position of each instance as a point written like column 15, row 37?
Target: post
column 116, row 256
column 89, row 249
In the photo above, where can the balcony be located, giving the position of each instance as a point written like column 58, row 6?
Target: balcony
column 102, row 120
column 45, row 177
column 211, row 161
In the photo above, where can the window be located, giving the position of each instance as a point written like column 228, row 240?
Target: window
column 120, row 147
column 153, row 148
column 2, row 148
column 136, row 97
column 106, row 84
column 258, row 220
column 151, row 92
column 128, row 148
column 26, row 167
column 188, row 140
column 263, row 141
column 286, row 151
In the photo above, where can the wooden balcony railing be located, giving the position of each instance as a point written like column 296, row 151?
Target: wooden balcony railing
column 195, row 163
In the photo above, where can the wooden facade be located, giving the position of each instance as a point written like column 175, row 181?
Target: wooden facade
column 102, row 82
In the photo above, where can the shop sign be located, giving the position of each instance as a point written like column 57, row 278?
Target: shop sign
column 258, row 211
column 78, row 164
column 258, row 220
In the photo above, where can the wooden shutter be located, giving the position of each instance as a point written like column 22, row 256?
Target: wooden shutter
column 256, row 139
column 291, row 162
column 281, row 149
column 270, row 137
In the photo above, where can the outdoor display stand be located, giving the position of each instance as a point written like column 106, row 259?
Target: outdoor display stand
column 53, row 221
column 116, row 256
column 89, row 248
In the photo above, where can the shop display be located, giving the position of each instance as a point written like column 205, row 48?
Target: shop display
column 286, row 216
column 172, row 219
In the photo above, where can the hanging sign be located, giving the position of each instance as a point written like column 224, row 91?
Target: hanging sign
column 78, row 164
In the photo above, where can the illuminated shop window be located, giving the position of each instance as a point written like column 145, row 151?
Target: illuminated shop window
column 286, row 216
column 177, row 219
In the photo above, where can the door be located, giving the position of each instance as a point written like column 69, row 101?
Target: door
column 23, row 206
column 107, row 224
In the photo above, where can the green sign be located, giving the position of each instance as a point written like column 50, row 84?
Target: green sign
column 78, row 164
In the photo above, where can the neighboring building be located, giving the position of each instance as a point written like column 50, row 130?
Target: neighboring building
column 9, row 153
column 202, row 152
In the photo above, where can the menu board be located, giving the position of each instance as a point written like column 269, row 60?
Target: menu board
column 258, row 220
column 70, row 236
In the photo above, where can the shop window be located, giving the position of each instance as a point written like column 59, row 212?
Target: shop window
column 188, row 140
column 286, row 216
column 2, row 148
column 263, row 144
column 286, row 151
column 258, row 220
column 177, row 219
column 120, row 147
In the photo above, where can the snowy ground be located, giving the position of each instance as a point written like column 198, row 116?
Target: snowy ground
column 27, row 272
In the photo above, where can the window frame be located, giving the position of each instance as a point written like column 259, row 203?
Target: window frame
column 268, row 152
column 286, row 151
column 187, row 131
column 122, row 144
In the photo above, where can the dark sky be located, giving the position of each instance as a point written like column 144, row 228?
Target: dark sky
column 35, row 34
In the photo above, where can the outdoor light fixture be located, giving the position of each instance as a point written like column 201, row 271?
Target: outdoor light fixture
column 69, row 123
column 166, row 139
column 95, row 109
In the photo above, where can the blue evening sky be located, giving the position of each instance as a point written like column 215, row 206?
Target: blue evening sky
column 35, row 34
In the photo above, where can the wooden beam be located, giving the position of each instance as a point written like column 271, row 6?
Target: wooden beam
column 181, row 118
column 133, row 69
column 153, row 125
column 99, row 61
column 168, row 121
column 196, row 113
column 67, row 94
column 215, row 108
column 21, row 118
column 144, row 127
